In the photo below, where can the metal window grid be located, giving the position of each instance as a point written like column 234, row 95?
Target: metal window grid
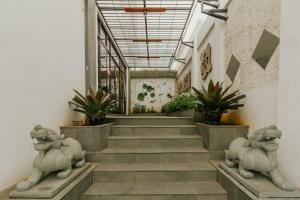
column 167, row 26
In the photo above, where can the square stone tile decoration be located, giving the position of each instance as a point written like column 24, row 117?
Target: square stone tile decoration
column 265, row 48
column 233, row 67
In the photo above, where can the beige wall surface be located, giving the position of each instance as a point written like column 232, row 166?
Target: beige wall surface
column 244, row 27
column 246, row 22
column 41, row 61
column 239, row 36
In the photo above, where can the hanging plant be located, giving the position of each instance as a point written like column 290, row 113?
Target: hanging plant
column 141, row 96
column 145, row 86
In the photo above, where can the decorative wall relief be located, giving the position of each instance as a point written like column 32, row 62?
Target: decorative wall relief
column 185, row 84
column 265, row 48
column 233, row 68
column 147, row 88
column 151, row 92
column 205, row 58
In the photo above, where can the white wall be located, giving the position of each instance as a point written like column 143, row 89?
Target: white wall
column 41, row 61
column 289, row 93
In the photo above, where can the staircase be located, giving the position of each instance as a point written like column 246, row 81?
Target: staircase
column 154, row 158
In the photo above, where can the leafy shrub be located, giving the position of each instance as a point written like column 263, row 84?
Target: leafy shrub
column 214, row 101
column 184, row 101
column 137, row 108
column 95, row 106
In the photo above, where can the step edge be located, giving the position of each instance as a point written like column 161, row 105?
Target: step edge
column 220, row 191
column 155, row 126
column 152, row 138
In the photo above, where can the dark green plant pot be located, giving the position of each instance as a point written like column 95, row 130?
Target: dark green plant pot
column 96, row 121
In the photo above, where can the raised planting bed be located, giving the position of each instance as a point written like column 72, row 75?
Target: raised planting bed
column 217, row 138
column 91, row 138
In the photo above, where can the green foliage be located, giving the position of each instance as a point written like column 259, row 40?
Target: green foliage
column 214, row 101
column 152, row 95
column 141, row 96
column 115, row 109
column 137, row 108
column 151, row 110
column 94, row 105
column 149, row 88
column 184, row 101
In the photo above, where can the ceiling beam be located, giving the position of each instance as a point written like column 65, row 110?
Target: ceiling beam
column 148, row 57
column 147, row 40
column 143, row 9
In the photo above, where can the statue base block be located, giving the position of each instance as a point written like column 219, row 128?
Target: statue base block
column 261, row 186
column 50, row 185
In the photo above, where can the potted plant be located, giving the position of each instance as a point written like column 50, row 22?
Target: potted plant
column 213, row 102
column 95, row 106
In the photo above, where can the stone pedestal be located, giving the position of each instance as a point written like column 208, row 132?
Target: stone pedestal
column 50, row 185
column 261, row 186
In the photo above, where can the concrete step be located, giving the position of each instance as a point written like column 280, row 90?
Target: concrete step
column 154, row 172
column 154, row 130
column 155, row 141
column 152, row 120
column 149, row 155
column 156, row 191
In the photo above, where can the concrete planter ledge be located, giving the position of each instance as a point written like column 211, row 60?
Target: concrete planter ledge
column 222, row 126
column 217, row 138
column 91, row 138
column 97, row 126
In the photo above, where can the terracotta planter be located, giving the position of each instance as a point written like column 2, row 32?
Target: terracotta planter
column 217, row 138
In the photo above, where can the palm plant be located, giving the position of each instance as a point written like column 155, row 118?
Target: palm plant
column 94, row 105
column 215, row 101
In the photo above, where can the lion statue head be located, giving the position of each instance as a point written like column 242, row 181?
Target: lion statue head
column 45, row 138
column 266, row 138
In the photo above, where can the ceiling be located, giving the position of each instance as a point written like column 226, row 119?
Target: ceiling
column 147, row 32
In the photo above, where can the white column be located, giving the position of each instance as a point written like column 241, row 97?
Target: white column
column 128, row 91
column 289, row 92
column 91, row 69
column 196, row 74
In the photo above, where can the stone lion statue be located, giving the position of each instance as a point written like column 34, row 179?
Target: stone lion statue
column 258, row 153
column 56, row 154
